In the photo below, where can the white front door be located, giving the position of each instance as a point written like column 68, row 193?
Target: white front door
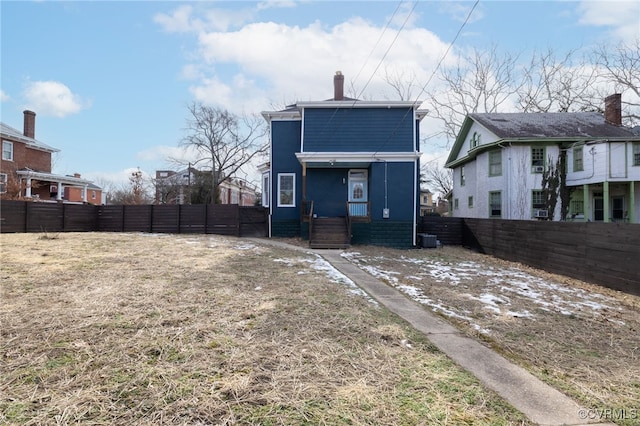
column 358, row 192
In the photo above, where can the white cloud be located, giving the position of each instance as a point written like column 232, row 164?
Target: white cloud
column 459, row 11
column 185, row 19
column 261, row 55
column 3, row 96
column 53, row 98
column 623, row 17
column 168, row 154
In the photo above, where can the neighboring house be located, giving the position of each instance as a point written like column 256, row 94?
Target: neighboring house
column 175, row 187
column 344, row 171
column 25, row 169
column 499, row 160
column 426, row 202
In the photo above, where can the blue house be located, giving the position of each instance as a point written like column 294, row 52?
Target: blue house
column 344, row 171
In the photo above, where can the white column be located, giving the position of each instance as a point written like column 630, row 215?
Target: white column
column 60, row 195
column 27, row 192
column 84, row 193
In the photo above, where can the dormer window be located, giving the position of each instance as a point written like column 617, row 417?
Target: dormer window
column 474, row 141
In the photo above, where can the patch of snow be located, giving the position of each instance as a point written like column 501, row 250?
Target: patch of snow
column 379, row 273
column 245, row 247
column 319, row 264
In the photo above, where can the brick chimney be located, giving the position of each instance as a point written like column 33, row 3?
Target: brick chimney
column 613, row 109
column 338, row 86
column 29, row 124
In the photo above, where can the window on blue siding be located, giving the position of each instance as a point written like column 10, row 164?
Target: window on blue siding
column 495, row 163
column 636, row 153
column 470, row 201
column 455, row 204
column 286, row 189
column 462, row 177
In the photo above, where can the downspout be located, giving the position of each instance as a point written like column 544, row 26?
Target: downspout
column 415, row 200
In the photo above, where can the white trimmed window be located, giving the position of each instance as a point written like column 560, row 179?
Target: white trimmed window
column 286, row 189
column 495, row 204
column 7, row 151
column 495, row 163
column 577, row 159
column 3, row 183
column 636, row 153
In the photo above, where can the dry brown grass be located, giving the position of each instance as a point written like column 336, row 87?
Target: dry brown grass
column 581, row 338
column 147, row 329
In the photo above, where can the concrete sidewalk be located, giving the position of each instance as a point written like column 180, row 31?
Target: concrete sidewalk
column 540, row 402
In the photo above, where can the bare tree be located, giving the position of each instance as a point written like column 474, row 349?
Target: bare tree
column 481, row 82
column 136, row 191
column 620, row 67
column 552, row 84
column 438, row 178
column 224, row 141
column 521, row 205
column 402, row 83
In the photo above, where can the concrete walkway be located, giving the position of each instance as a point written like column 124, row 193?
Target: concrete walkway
column 540, row 402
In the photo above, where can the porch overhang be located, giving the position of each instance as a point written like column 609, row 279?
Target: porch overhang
column 352, row 159
column 49, row 177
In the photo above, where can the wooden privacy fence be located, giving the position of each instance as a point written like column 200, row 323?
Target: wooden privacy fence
column 224, row 219
column 607, row 254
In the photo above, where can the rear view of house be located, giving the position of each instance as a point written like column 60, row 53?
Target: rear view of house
column 344, row 171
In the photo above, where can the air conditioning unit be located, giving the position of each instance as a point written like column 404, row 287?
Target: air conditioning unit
column 541, row 213
column 538, row 169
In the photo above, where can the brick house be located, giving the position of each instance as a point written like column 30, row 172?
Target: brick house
column 25, row 169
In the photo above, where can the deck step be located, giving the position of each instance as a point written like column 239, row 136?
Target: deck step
column 330, row 233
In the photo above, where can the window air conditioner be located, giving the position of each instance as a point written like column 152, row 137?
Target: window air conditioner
column 541, row 213
column 538, row 169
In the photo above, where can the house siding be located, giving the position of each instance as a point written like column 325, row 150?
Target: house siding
column 285, row 136
column 515, row 183
column 358, row 130
column 330, row 186
column 401, row 179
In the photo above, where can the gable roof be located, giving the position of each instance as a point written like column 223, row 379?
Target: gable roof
column 550, row 125
column 538, row 127
column 11, row 133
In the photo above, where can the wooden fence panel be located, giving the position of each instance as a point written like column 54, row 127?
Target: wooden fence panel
column 165, row 219
column 602, row 253
column 80, row 218
column 137, row 218
column 253, row 222
column 110, row 218
column 448, row 230
column 45, row 217
column 193, row 218
column 13, row 216
column 223, row 219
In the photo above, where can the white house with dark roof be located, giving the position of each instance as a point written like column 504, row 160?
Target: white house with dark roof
column 499, row 159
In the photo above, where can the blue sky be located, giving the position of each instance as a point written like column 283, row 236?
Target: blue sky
column 110, row 81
